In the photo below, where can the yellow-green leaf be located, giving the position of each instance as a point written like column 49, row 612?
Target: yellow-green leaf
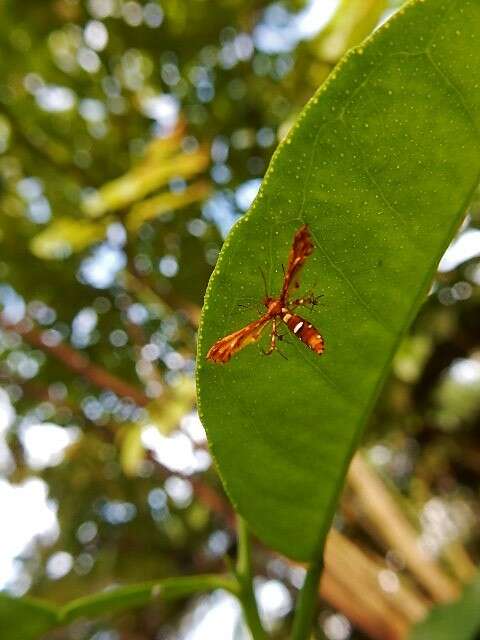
column 65, row 236
column 164, row 203
column 142, row 180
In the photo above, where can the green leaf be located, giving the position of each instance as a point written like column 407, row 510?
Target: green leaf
column 177, row 400
column 165, row 203
column 381, row 164
column 459, row 620
column 148, row 176
column 352, row 22
column 25, row 618
column 64, row 236
column 132, row 450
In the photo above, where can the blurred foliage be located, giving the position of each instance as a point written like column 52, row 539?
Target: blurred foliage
column 132, row 135
column 443, row 622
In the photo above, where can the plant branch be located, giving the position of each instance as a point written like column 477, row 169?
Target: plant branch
column 145, row 290
column 244, row 576
column 78, row 362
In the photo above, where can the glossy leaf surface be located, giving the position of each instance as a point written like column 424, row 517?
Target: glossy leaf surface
column 381, row 164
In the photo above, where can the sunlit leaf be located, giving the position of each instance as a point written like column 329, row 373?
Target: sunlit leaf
column 352, row 22
column 459, row 620
column 161, row 148
column 65, row 236
column 5, row 133
column 164, row 203
column 381, row 164
column 144, row 179
column 132, row 451
column 177, row 400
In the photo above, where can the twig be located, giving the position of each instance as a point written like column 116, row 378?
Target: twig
column 78, row 363
column 170, row 302
column 244, row 577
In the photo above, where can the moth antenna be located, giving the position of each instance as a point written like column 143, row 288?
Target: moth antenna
column 264, row 282
column 377, row 265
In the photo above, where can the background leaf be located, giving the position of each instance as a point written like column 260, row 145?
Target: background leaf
column 65, row 236
column 152, row 173
column 25, row 618
column 165, row 203
column 459, row 620
column 352, row 22
column 381, row 164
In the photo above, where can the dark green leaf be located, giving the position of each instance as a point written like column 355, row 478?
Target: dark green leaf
column 25, row 618
column 381, row 164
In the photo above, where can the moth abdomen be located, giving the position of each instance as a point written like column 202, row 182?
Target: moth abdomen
column 305, row 331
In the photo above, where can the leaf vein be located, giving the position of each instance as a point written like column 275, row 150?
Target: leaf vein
column 455, row 90
column 398, row 215
column 367, row 307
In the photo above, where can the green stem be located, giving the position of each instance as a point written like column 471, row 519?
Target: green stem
column 125, row 597
column 307, row 603
column 245, row 582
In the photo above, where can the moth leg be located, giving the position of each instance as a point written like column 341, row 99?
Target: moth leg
column 264, row 281
column 299, row 302
column 252, row 306
column 249, row 304
column 273, row 339
column 283, row 337
column 309, row 300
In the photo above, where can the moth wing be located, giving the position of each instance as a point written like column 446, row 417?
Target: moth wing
column 302, row 247
column 226, row 347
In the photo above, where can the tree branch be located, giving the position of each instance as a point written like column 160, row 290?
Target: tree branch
column 77, row 362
